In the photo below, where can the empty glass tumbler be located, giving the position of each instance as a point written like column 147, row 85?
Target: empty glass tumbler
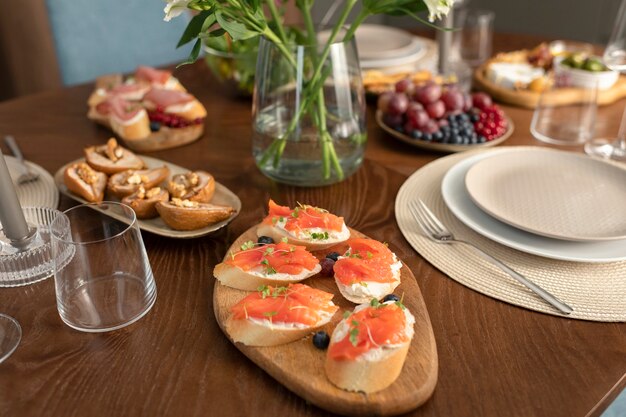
column 107, row 282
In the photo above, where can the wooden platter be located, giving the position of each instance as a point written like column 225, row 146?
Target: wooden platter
column 299, row 366
column 223, row 196
column 442, row 147
column 558, row 97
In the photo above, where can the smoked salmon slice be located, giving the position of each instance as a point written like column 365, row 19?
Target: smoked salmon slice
column 296, row 303
column 274, row 258
column 303, row 217
column 365, row 260
column 370, row 328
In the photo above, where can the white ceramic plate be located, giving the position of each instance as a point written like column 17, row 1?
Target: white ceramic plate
column 378, row 42
column 458, row 200
column 40, row 193
column 552, row 193
column 223, row 196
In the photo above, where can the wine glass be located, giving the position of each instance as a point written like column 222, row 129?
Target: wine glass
column 10, row 336
column 614, row 58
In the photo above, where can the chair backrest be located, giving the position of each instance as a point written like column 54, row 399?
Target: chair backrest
column 95, row 37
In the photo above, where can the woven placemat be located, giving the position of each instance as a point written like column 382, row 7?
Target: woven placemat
column 595, row 291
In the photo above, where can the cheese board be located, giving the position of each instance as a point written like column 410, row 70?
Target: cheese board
column 556, row 97
column 299, row 365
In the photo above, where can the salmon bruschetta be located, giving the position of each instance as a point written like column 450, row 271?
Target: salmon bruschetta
column 271, row 264
column 273, row 316
column 368, row 348
column 306, row 225
column 368, row 269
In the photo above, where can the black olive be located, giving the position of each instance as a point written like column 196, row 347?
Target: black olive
column 265, row 240
column 390, row 297
column 333, row 255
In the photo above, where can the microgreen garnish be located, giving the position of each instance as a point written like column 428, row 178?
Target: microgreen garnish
column 370, row 255
column 270, row 313
column 281, row 219
column 319, row 236
column 295, row 212
column 264, row 290
column 269, row 270
column 354, row 333
column 268, row 251
column 346, row 314
column 279, row 290
column 399, row 303
column 248, row 245
column 355, row 255
column 375, row 303
column 285, row 240
column 363, row 284
column 232, row 255
column 274, row 220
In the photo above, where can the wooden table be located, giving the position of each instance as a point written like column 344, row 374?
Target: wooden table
column 494, row 359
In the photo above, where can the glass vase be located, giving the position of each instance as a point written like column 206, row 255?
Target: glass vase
column 308, row 112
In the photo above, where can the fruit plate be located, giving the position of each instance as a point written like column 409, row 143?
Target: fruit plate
column 222, row 196
column 443, row 147
column 299, row 366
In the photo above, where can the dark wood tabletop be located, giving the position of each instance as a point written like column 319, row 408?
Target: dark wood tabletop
column 495, row 359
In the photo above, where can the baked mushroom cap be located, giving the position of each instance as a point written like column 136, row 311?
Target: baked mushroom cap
column 196, row 186
column 191, row 215
column 127, row 182
column 112, row 158
column 144, row 202
column 83, row 180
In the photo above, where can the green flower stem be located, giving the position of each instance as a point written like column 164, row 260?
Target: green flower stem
column 277, row 19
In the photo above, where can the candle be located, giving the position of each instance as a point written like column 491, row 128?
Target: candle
column 11, row 216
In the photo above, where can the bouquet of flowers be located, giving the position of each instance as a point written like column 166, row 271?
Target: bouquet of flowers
column 246, row 19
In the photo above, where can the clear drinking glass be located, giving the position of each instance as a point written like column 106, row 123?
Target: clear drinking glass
column 477, row 36
column 570, row 124
column 107, row 283
column 614, row 58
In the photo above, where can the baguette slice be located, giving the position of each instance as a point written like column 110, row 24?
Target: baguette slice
column 257, row 320
column 377, row 367
column 133, row 129
column 246, row 271
column 368, row 269
column 309, row 221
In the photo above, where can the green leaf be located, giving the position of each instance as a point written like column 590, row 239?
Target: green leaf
column 195, row 26
column 393, row 7
column 195, row 51
column 236, row 30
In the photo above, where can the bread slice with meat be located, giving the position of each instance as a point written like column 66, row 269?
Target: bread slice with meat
column 235, row 277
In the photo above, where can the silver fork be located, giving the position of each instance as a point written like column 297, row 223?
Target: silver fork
column 28, row 174
column 436, row 231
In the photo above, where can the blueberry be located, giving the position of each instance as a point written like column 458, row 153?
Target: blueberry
column 474, row 118
column 333, row 255
column 451, row 118
column 390, row 297
column 466, row 140
column 464, row 117
column 454, row 131
column 437, row 136
column 482, row 139
column 456, row 139
column 474, row 139
column 445, row 128
column 265, row 240
column 417, row 134
column 327, row 267
column 321, row 340
column 427, row 137
column 399, row 129
column 155, row 126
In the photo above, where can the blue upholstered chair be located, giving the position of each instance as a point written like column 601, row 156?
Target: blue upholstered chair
column 95, row 37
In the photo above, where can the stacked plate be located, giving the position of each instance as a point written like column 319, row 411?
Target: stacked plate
column 550, row 203
column 391, row 50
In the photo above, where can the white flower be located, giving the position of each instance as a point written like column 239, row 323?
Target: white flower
column 174, row 8
column 436, row 8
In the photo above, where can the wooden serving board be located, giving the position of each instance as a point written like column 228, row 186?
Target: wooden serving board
column 299, row 366
column 559, row 97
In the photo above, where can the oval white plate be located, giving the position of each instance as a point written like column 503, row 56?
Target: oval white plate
column 552, row 193
column 458, row 200
column 40, row 193
column 223, row 196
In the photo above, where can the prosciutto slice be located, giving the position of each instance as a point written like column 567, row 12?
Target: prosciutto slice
column 152, row 75
column 166, row 98
column 122, row 109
